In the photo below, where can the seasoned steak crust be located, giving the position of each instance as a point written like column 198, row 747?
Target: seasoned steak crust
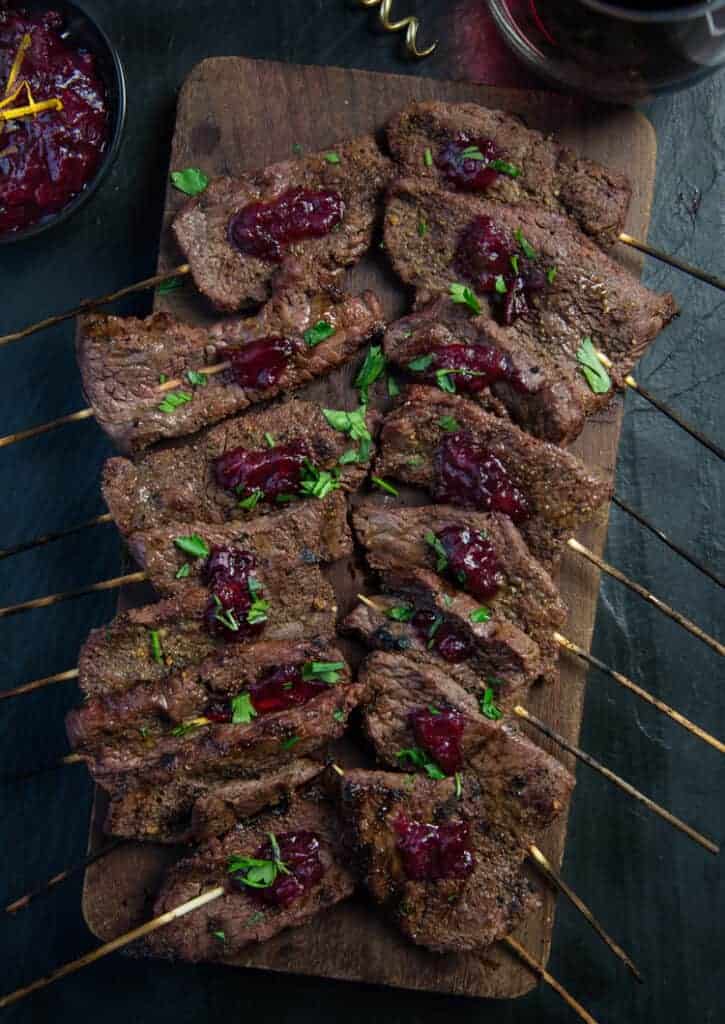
column 178, row 482
column 591, row 295
column 550, row 174
column 122, row 361
column 237, row 915
column 232, row 280
column 394, row 539
column 562, row 493
column 448, row 915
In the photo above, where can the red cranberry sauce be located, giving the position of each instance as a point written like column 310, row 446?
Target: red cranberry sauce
column 300, row 854
column 433, row 852
column 476, row 368
column 229, row 574
column 275, row 689
column 460, row 162
column 468, row 474
column 440, row 734
column 447, row 640
column 47, row 158
column 489, row 258
column 270, row 471
column 260, row 364
column 264, row 229
column 472, row 561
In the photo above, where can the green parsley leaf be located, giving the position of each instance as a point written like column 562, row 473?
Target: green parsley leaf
column 385, row 486
column 500, row 284
column 459, row 785
column 442, row 557
column 171, row 285
column 351, row 455
column 433, row 709
column 191, row 181
column 225, row 615
column 551, row 274
column 291, row 742
column 162, row 378
column 196, row 379
column 444, row 382
column 319, row 332
column 526, row 246
column 420, row 759
column 515, row 263
column 449, row 423
column 156, row 652
column 422, row 228
column 193, row 545
column 252, row 871
column 271, row 443
column 173, row 400
column 465, row 296
column 435, row 626
column 297, row 149
column 326, row 671
column 317, row 483
column 242, row 709
column 144, row 730
column 401, row 612
column 591, row 366
column 284, row 499
column 220, row 935
column 447, row 600
column 339, row 715
column 332, row 157
column 187, row 727
column 427, row 157
column 482, row 614
column 488, row 706
column 257, row 612
column 503, row 167
column 354, row 425
column 184, row 572
column 420, row 364
column 373, row 367
column 393, row 387
column 252, row 500
column 472, row 153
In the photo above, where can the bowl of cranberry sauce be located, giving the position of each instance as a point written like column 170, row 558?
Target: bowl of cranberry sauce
column 62, row 112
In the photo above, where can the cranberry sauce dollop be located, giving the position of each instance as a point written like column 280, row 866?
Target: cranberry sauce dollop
column 440, row 734
column 264, row 229
column 467, row 172
column 472, row 561
column 493, row 263
column 476, row 368
column 447, row 640
column 432, row 852
column 270, row 471
column 275, row 689
column 46, row 158
column 229, row 574
column 300, row 854
column 260, row 364
column 468, row 474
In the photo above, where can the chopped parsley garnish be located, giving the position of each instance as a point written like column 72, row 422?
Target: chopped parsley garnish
column 401, row 612
column 504, row 167
column 488, row 706
column 433, row 709
column 421, row 363
column 252, row 500
column 187, row 727
column 270, row 440
column 441, row 556
column 319, row 332
column 174, row 400
column 393, row 387
column 332, row 157
column 551, row 274
column 242, row 709
column 291, row 742
column 500, row 284
column 472, row 153
column 156, row 653
column 191, row 181
column 339, row 715
column 184, row 572
column 317, row 483
column 420, row 759
column 592, row 367
column 465, row 296
column 449, row 423
column 447, row 600
column 482, row 614
column 435, row 626
column 515, row 263
column 373, row 367
column 353, row 424
column 162, row 378
column 427, row 157
column 193, row 545
column 526, row 246
column 326, row 671
column 144, row 730
column 258, row 873
column 220, row 935
column 225, row 615
column 385, row 486
column 196, row 379
column 444, row 382
column 422, row 228
column 171, row 285
column 258, row 609
column 459, row 785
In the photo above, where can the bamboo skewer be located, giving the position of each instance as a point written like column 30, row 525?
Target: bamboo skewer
column 628, row 788
column 38, row 684
column 673, row 261
column 48, row 538
column 62, row 876
column 67, row 595
column 537, row 968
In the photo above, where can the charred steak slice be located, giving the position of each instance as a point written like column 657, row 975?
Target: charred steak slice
column 446, row 729
column 430, row 624
column 531, row 166
column 465, row 456
column 565, row 290
column 451, row 880
column 148, row 644
column 295, row 338
column 479, row 552
column 307, row 836
column 248, row 466
column 195, row 809
column 317, row 213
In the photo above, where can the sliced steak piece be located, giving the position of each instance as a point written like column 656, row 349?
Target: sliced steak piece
column 502, row 773
column 395, row 542
column 590, row 295
column 243, row 915
column 549, row 173
column 478, row 891
column 468, row 457
column 119, row 656
column 471, row 651
column 556, row 399
column 180, row 482
column 187, row 810
column 123, row 360
column 351, row 175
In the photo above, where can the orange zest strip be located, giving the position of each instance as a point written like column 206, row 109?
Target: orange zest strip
column 18, row 62
column 31, row 108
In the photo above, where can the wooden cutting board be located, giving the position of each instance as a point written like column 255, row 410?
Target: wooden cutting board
column 235, row 115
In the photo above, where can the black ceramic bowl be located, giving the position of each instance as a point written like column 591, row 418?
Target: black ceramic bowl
column 86, row 34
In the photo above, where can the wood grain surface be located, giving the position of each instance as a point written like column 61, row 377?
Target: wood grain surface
column 235, row 115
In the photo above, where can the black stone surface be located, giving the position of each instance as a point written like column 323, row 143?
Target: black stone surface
column 659, row 894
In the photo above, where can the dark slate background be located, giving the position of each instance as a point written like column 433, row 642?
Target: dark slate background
column 659, row 893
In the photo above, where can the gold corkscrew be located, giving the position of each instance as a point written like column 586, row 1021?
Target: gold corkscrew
column 411, row 24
